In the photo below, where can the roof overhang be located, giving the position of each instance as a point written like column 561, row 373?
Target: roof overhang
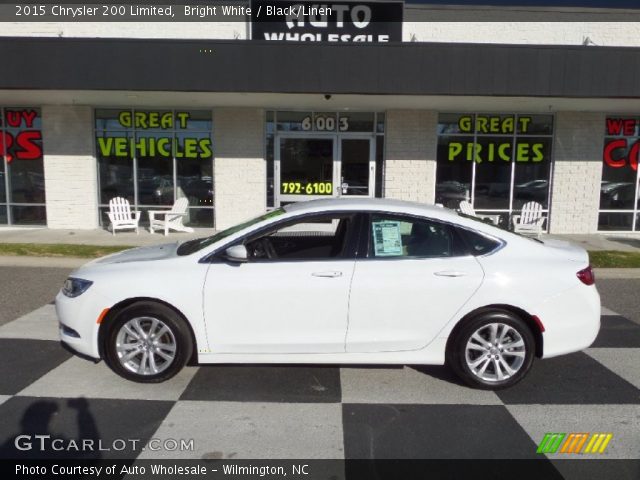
column 402, row 69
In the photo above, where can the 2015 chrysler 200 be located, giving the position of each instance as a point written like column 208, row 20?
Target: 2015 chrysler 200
column 337, row 281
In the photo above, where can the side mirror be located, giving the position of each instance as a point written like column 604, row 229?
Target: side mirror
column 237, row 253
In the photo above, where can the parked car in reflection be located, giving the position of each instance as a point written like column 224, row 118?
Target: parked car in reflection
column 199, row 191
column 345, row 281
column 536, row 190
column 451, row 193
column 614, row 195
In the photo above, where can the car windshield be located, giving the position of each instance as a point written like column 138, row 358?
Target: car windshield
column 192, row 246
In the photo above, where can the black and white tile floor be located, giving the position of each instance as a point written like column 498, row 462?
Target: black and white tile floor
column 318, row 411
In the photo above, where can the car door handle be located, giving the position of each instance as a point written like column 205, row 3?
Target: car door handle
column 450, row 273
column 332, row 274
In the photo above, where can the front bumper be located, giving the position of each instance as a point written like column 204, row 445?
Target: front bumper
column 79, row 315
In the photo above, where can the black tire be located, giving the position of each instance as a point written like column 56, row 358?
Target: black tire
column 178, row 334
column 457, row 353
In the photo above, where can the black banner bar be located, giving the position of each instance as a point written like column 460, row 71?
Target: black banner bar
column 297, row 469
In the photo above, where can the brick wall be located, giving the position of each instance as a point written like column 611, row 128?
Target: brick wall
column 411, row 144
column 240, row 174
column 70, row 168
column 575, row 194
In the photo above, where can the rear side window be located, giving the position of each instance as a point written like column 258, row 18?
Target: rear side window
column 394, row 236
column 478, row 243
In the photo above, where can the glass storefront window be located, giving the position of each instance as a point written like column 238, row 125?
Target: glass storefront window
column 153, row 157
column 620, row 186
column 22, row 193
column 497, row 162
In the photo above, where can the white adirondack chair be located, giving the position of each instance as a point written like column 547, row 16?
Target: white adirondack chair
column 466, row 208
column 531, row 220
column 172, row 219
column 121, row 216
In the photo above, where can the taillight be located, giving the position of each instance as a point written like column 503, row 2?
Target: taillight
column 586, row 276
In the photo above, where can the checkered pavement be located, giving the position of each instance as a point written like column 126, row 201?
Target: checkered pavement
column 316, row 412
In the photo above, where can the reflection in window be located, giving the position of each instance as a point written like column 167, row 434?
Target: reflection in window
column 155, row 169
column 497, row 162
column 22, row 192
column 454, row 175
column 115, row 165
column 153, row 158
column 323, row 237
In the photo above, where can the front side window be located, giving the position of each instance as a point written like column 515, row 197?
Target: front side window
column 321, row 237
column 398, row 237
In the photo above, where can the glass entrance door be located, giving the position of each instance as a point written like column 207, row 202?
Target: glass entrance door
column 305, row 168
column 357, row 166
column 320, row 166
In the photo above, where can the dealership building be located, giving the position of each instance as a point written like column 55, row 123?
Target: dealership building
column 495, row 105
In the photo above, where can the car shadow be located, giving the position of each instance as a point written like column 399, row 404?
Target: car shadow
column 439, row 372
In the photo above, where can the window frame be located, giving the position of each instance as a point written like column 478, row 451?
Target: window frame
column 634, row 211
column 352, row 239
column 510, row 211
column 132, row 132
column 366, row 243
column 9, row 204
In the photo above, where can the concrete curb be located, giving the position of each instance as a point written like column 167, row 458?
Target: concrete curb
column 41, row 262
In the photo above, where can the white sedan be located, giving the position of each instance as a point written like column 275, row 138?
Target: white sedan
column 337, row 281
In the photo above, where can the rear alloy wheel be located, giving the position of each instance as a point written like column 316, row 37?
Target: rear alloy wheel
column 147, row 343
column 494, row 350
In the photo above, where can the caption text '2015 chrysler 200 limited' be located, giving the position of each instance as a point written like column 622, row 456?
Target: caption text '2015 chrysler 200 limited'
column 339, row 281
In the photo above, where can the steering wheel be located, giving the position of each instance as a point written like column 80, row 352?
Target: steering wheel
column 268, row 248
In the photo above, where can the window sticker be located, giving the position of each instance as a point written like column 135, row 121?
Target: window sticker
column 387, row 239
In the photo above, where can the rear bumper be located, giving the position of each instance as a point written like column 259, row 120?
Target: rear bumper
column 571, row 320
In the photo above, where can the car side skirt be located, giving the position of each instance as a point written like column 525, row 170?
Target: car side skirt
column 433, row 354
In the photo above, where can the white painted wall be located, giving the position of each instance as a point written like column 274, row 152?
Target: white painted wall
column 411, row 146
column 577, row 171
column 183, row 30
column 70, row 167
column 240, row 170
column 533, row 33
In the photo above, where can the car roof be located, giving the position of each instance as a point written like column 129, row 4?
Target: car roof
column 350, row 203
column 371, row 204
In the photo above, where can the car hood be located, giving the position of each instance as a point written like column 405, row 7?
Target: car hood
column 567, row 250
column 140, row 254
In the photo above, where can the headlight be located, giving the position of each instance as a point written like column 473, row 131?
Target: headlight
column 75, row 286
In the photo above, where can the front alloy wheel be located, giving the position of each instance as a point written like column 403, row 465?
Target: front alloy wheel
column 147, row 342
column 492, row 351
column 146, row 346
